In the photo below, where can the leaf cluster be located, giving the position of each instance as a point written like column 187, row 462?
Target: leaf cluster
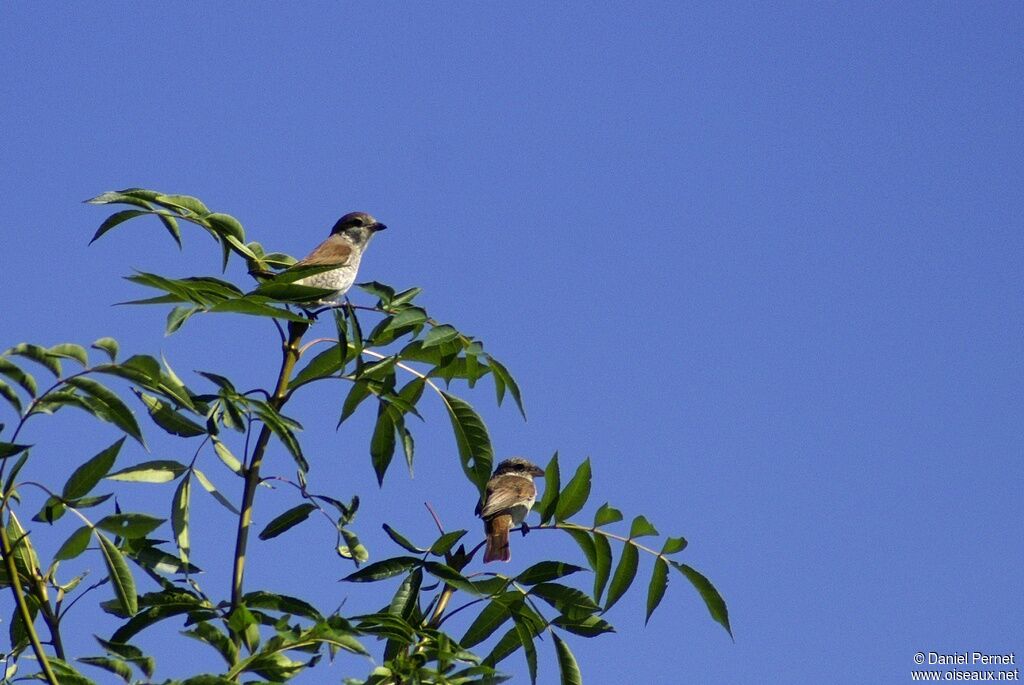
column 393, row 355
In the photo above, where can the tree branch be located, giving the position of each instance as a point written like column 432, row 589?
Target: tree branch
column 289, row 356
column 26, row 616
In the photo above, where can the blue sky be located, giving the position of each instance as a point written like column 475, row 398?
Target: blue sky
column 760, row 264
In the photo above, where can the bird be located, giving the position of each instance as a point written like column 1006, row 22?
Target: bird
column 344, row 247
column 508, row 498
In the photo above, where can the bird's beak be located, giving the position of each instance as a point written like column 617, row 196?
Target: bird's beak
column 377, row 227
column 537, row 471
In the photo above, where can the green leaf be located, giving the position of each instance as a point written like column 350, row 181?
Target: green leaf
column 86, row 502
column 51, row 510
column 15, row 373
column 405, row 319
column 503, row 379
column 293, row 292
column 186, row 202
column 226, row 224
column 282, row 603
column 212, row 489
column 624, row 575
column 25, row 558
column 525, row 634
column 39, row 355
column 280, row 426
column 147, row 555
column 567, row 600
column 160, row 605
column 110, row 664
column 382, row 292
column 641, row 527
column 129, row 525
column 588, row 626
column 226, row 456
column 180, row 289
column 405, row 296
column 140, row 368
column 712, row 600
column 134, row 196
column 567, row 665
column 243, row 623
column 8, row 394
column 171, row 224
column 439, row 335
column 170, row 420
column 508, row 643
column 13, row 475
column 115, row 219
column 602, row 565
column 494, row 615
column 402, row 541
column 283, row 522
column 607, row 514
column 546, row 571
column 206, row 632
column 180, row 505
column 130, row 654
column 575, row 494
column 586, row 544
column 67, row 674
column 472, row 439
column 405, row 600
column 552, row 484
column 327, row 363
column 9, row 449
column 120, row 575
column 656, row 588
column 255, row 308
column 352, row 549
column 86, row 476
column 177, row 317
column 108, row 345
column 444, row 544
column 359, row 392
column 382, row 443
column 451, row 576
column 114, row 409
column 380, row 570
column 70, row 351
column 74, row 545
column 156, row 471
column 673, row 545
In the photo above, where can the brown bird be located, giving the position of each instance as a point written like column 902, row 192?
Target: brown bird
column 343, row 247
column 509, row 495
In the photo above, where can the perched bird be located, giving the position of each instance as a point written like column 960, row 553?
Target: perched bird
column 344, row 247
column 507, row 500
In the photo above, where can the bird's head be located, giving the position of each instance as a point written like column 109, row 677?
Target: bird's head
column 518, row 466
column 357, row 227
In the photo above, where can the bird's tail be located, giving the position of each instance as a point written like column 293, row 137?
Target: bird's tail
column 497, row 529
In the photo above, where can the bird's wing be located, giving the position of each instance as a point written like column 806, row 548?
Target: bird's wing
column 333, row 251
column 505, row 492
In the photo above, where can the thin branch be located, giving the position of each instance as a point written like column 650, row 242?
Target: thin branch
column 35, row 403
column 433, row 514
column 84, row 592
column 442, row 619
column 19, row 597
column 289, row 357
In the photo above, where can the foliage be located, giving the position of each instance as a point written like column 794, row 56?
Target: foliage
column 263, row 635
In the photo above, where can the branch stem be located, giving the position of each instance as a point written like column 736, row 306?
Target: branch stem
column 290, row 354
column 19, row 597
